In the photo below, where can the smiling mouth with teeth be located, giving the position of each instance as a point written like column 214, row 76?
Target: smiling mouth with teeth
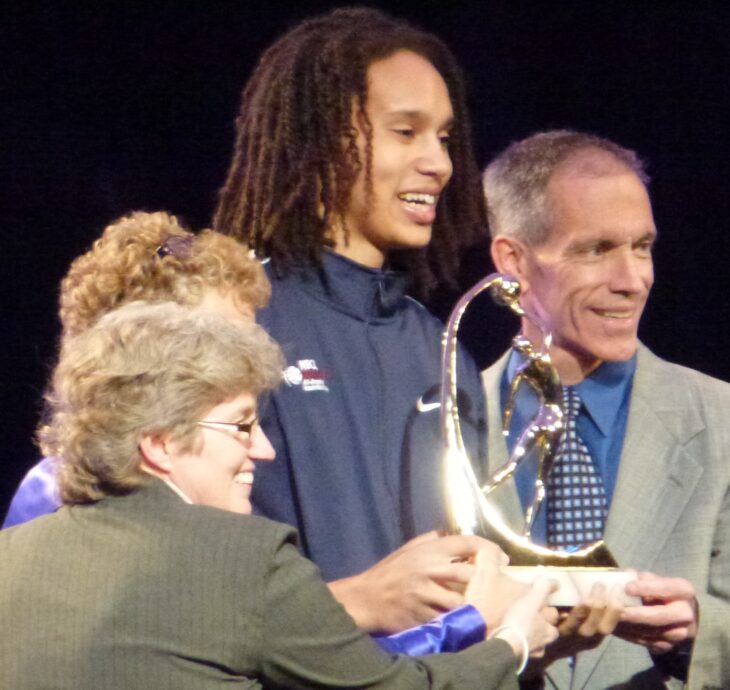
column 418, row 198
column 614, row 314
column 243, row 478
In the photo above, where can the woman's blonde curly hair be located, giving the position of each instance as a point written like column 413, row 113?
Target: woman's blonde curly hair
column 139, row 257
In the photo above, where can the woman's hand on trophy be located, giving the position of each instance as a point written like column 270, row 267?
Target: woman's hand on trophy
column 422, row 579
column 529, row 625
column 490, row 591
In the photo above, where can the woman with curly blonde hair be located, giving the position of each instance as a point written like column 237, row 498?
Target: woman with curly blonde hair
column 150, row 257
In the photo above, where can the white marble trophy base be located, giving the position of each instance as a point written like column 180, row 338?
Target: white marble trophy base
column 575, row 582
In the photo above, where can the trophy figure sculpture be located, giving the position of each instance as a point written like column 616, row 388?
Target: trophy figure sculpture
column 469, row 508
column 542, row 434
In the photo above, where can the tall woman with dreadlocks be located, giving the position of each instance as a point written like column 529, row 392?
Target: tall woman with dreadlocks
column 353, row 175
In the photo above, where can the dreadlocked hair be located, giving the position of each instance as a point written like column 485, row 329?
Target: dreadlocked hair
column 296, row 156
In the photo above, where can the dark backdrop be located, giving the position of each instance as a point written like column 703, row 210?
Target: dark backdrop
column 109, row 107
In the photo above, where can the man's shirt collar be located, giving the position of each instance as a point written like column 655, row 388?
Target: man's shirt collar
column 602, row 392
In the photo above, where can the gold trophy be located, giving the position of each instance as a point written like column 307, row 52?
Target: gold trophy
column 469, row 508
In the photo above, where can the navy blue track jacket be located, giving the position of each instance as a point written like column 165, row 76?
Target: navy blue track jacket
column 357, row 470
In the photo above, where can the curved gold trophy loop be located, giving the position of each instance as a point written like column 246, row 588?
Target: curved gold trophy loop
column 469, row 510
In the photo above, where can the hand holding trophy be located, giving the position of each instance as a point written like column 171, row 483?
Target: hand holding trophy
column 470, row 510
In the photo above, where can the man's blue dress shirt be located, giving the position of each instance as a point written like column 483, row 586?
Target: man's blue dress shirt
column 606, row 397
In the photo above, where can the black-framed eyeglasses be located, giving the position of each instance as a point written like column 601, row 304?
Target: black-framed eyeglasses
column 235, row 427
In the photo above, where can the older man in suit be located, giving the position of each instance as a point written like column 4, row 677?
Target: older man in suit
column 571, row 218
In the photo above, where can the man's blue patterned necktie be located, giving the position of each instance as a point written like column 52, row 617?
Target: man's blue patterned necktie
column 576, row 497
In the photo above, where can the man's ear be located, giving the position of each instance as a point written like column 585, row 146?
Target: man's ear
column 510, row 256
column 155, row 451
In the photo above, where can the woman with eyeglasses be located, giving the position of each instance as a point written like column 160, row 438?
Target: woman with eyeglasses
column 153, row 574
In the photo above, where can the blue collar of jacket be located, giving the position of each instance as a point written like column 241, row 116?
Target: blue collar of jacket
column 363, row 292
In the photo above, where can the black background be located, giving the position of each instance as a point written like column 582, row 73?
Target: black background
column 109, row 107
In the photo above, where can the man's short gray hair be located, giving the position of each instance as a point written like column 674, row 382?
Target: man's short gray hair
column 515, row 183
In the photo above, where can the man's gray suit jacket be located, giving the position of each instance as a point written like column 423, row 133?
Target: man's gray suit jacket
column 670, row 515
column 147, row 592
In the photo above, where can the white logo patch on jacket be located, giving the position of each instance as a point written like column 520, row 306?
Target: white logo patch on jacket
column 306, row 374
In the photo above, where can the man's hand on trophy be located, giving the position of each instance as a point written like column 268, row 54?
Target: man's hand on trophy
column 668, row 616
column 422, row 579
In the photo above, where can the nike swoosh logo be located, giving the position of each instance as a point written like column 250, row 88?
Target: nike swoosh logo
column 426, row 407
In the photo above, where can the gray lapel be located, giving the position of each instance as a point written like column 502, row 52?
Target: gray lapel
column 656, row 477
column 655, row 482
